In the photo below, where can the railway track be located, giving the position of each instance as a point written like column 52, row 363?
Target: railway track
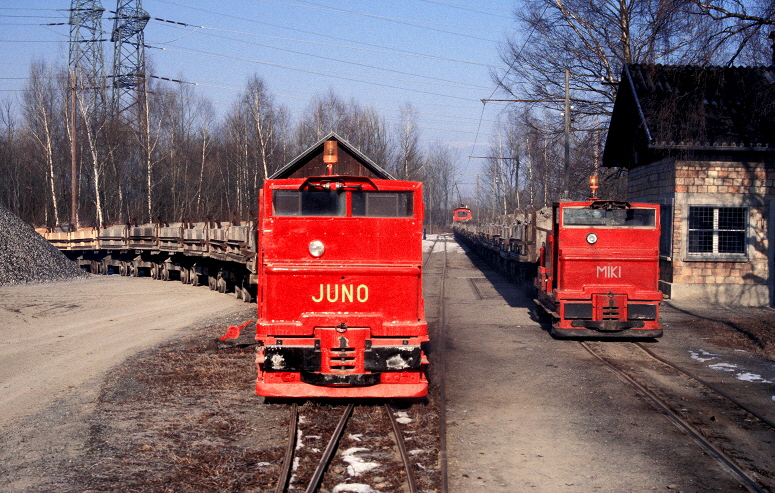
column 397, row 465
column 378, row 461
column 738, row 438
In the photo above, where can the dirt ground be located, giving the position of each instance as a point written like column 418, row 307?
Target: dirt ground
column 747, row 329
column 60, row 341
column 138, row 398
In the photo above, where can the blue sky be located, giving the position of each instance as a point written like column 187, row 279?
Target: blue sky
column 434, row 54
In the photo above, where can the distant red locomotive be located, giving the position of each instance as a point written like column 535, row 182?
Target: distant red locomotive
column 598, row 272
column 340, row 307
column 461, row 214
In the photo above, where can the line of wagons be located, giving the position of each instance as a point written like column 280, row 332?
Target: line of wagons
column 220, row 255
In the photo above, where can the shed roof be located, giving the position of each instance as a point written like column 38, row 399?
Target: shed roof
column 665, row 107
column 351, row 162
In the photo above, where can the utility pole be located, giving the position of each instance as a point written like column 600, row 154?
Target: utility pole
column 85, row 64
column 566, row 102
column 566, row 164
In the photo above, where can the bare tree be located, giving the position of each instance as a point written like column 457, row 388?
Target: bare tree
column 360, row 126
column 439, row 170
column 740, row 29
column 409, row 159
column 594, row 39
column 11, row 171
column 43, row 114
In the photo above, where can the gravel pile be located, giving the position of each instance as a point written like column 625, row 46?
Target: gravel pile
column 25, row 256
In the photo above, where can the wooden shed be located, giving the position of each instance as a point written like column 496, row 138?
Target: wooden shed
column 350, row 162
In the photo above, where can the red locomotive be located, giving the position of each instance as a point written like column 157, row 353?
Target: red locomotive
column 598, row 272
column 340, row 306
column 461, row 215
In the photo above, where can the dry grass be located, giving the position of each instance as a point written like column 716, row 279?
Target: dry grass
column 183, row 418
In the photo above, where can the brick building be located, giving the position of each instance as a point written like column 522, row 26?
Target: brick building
column 701, row 142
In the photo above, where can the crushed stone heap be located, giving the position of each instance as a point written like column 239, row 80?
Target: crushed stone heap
column 26, row 257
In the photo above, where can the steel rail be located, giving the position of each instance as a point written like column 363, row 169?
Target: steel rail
column 429, row 253
column 330, row 449
column 442, row 383
column 683, row 425
column 285, row 472
column 708, row 385
column 410, row 479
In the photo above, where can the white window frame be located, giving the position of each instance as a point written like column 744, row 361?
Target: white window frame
column 715, row 254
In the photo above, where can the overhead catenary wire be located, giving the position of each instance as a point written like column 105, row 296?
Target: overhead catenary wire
column 410, row 83
column 431, row 80
column 378, row 48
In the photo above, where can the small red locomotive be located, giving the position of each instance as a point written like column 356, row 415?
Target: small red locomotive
column 461, row 214
column 340, row 306
column 598, row 271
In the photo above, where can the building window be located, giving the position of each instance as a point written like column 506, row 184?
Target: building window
column 666, row 235
column 717, row 231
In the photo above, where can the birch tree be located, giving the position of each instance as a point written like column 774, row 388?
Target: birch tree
column 43, row 116
column 409, row 158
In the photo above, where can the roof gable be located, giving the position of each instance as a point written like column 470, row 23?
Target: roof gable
column 691, row 108
column 351, row 162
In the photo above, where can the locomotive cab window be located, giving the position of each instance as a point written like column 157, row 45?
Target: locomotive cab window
column 616, row 218
column 308, row 203
column 382, row 204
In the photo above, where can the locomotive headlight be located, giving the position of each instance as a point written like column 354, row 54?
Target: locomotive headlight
column 591, row 238
column 316, row 248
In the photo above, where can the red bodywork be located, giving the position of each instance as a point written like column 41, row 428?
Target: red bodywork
column 598, row 272
column 461, row 214
column 349, row 322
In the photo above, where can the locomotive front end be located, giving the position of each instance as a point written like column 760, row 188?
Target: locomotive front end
column 599, row 271
column 340, row 307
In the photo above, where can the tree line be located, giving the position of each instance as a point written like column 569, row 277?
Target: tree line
column 173, row 158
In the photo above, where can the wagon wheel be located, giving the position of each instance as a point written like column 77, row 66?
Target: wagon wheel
column 185, row 275
column 238, row 291
column 247, row 295
column 194, row 278
column 155, row 271
column 221, row 285
column 123, row 270
column 165, row 272
column 212, row 283
column 133, row 270
column 104, row 267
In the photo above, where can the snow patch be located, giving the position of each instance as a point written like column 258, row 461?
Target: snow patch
column 358, row 465
column 356, row 437
column 299, row 443
column 752, row 377
column 723, row 366
column 403, row 418
column 702, row 356
column 353, row 488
